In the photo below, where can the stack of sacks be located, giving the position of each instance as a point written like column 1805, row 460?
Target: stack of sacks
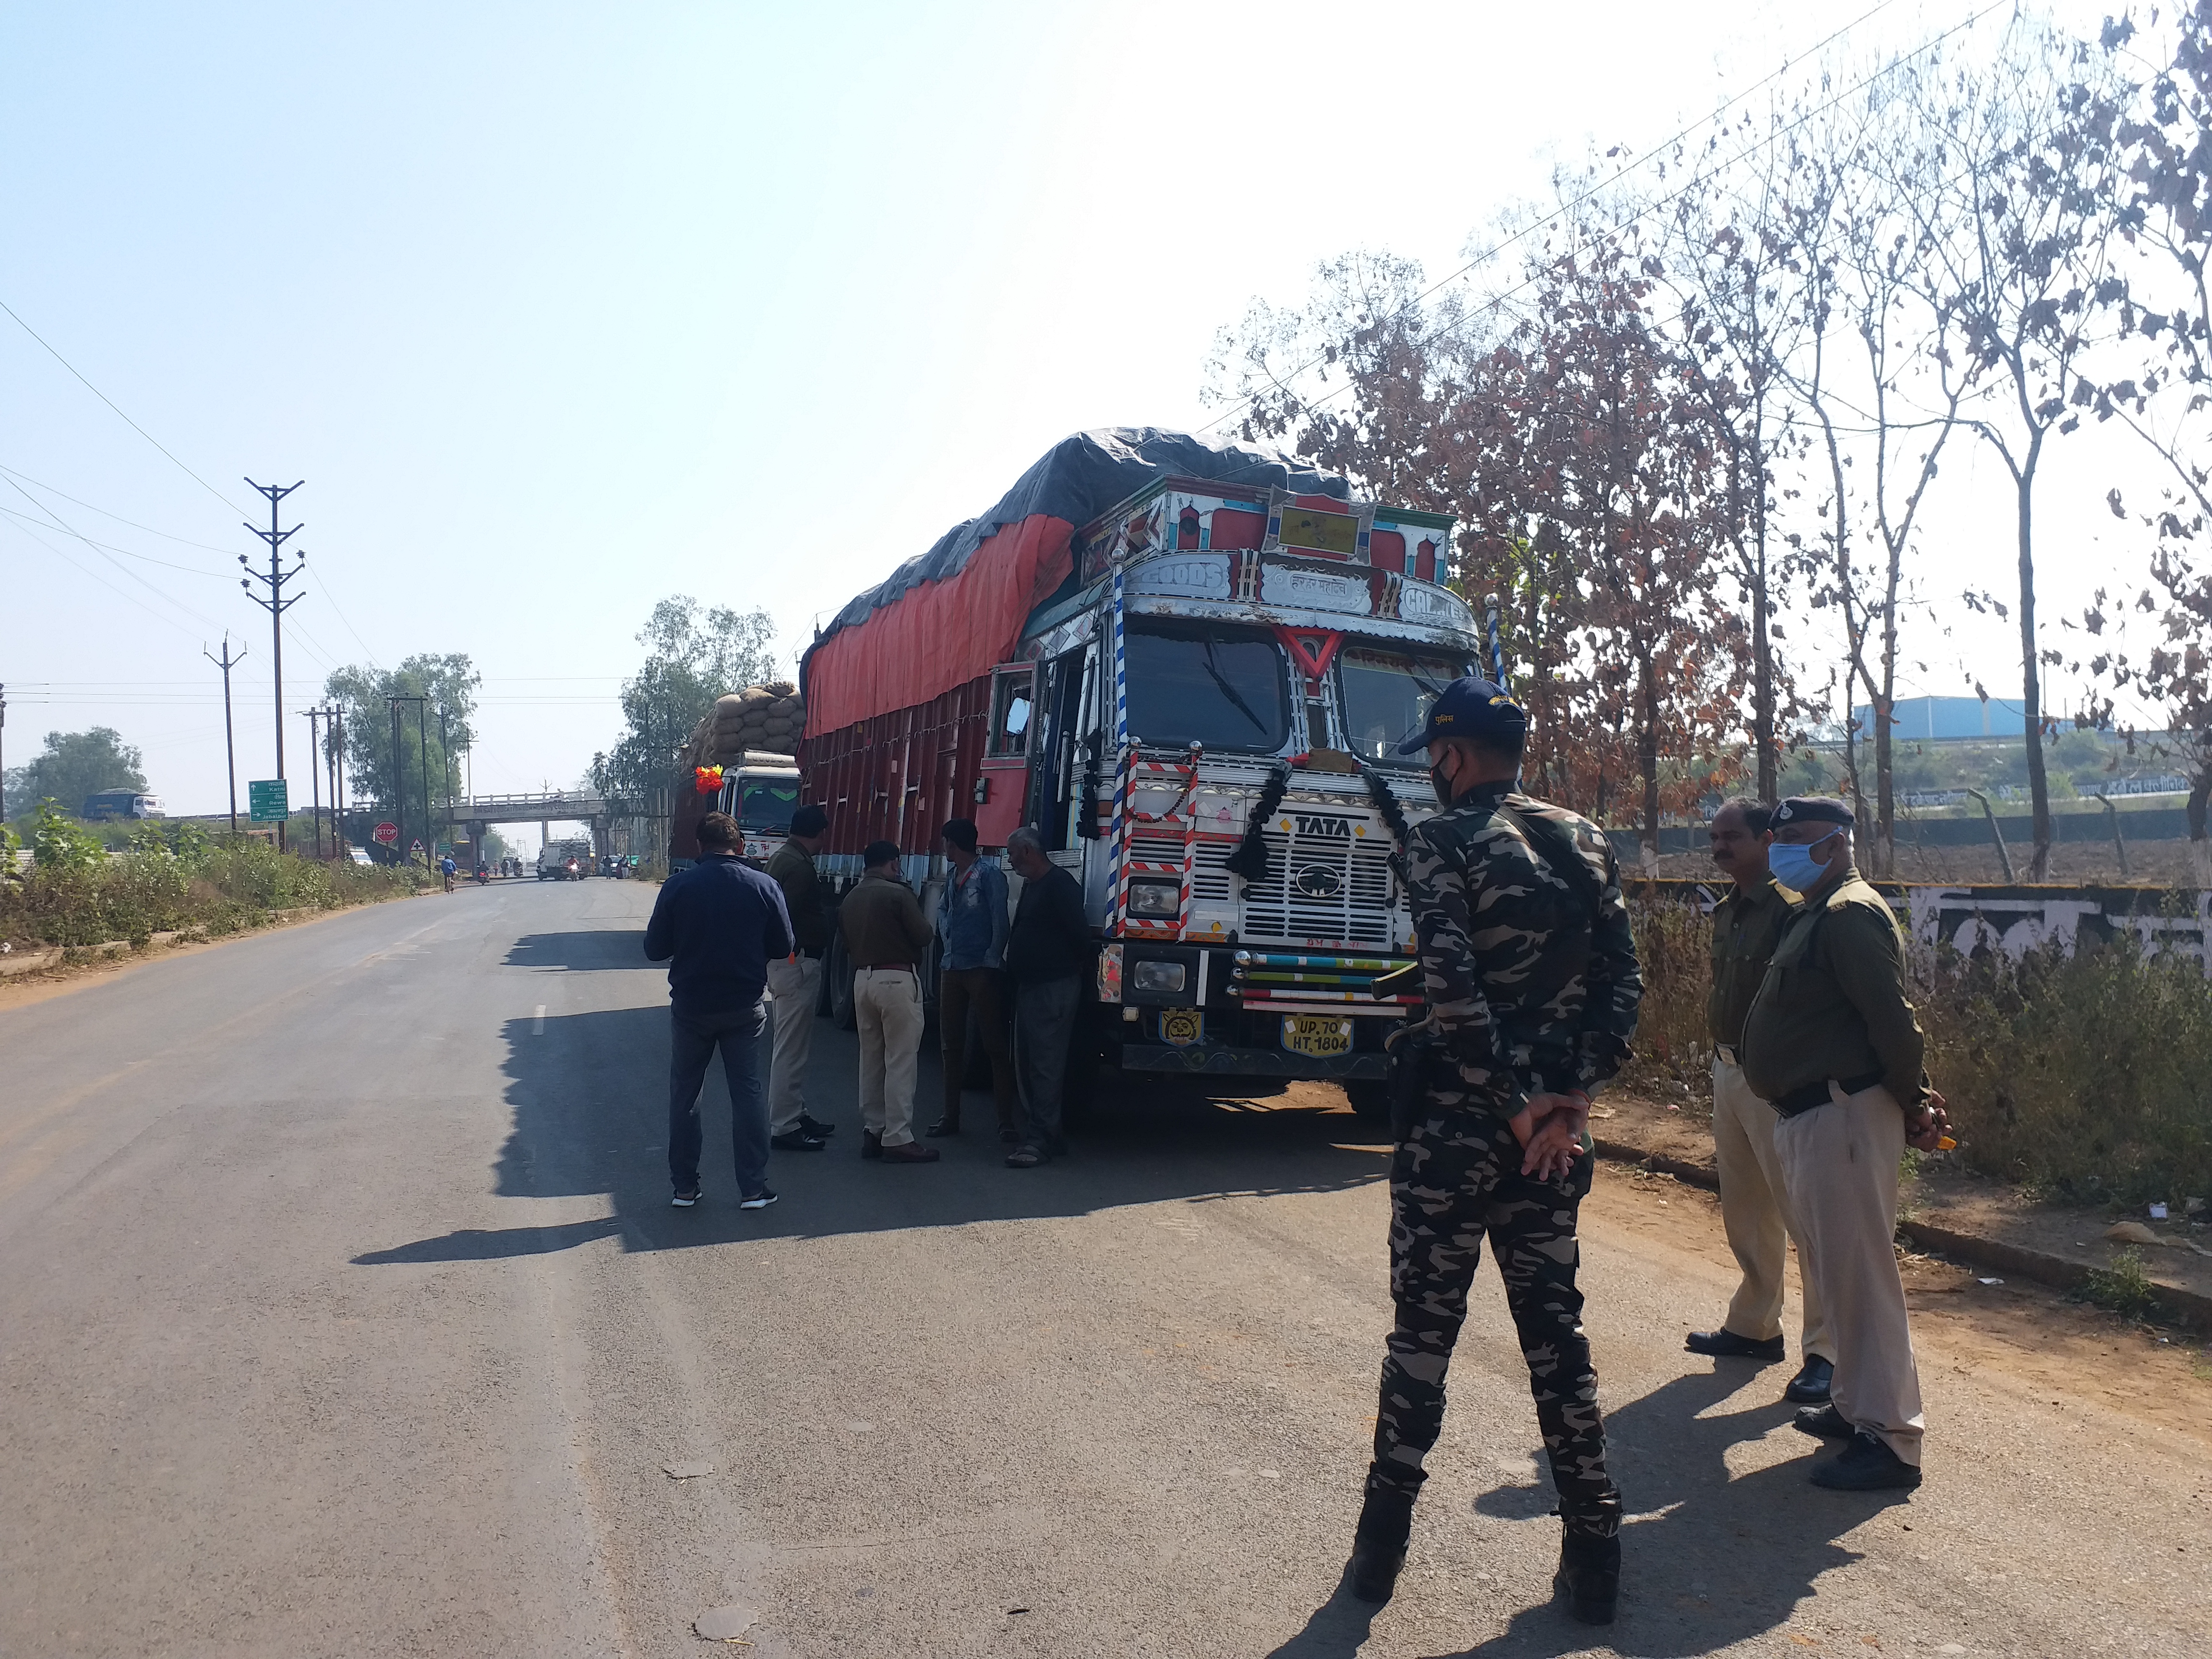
column 769, row 717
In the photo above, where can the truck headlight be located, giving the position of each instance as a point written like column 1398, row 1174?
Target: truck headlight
column 1155, row 898
column 1170, row 976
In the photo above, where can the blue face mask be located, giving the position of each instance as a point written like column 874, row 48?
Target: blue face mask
column 1794, row 866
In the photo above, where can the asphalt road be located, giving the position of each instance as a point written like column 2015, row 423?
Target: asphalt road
column 341, row 1311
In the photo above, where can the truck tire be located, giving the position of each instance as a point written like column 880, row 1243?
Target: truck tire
column 1369, row 1098
column 837, row 969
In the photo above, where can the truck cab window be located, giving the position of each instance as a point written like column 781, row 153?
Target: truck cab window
column 1386, row 698
column 767, row 804
column 1012, row 702
column 1224, row 688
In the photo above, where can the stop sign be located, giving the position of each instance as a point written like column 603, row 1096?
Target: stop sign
column 387, row 833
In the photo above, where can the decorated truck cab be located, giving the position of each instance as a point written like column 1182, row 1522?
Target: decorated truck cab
column 1201, row 660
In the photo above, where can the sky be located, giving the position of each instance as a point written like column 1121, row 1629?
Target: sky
column 558, row 309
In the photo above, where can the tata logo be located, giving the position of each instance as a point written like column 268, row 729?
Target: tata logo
column 1317, row 881
column 1327, row 828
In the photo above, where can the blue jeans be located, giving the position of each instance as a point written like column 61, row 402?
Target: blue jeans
column 737, row 1032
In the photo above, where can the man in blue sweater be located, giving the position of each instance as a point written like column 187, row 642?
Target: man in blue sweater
column 718, row 926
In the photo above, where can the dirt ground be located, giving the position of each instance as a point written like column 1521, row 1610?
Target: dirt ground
column 1680, row 1127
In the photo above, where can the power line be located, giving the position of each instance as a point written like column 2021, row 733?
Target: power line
column 110, row 547
column 111, row 402
column 94, row 576
column 165, row 535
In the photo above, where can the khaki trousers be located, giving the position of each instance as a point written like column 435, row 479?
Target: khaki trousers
column 1839, row 1162
column 794, row 983
column 1755, row 1210
column 887, row 1006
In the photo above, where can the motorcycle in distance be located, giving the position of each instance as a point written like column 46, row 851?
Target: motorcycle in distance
column 482, row 876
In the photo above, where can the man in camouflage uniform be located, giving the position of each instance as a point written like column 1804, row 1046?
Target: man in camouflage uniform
column 1532, row 985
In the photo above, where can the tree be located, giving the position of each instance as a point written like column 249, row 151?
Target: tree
column 2021, row 238
column 691, row 659
column 2167, row 312
column 73, row 765
column 422, row 770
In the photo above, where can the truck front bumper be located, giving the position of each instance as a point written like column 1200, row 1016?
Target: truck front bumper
column 1220, row 1059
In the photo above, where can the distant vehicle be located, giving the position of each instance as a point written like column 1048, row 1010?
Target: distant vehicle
column 107, row 803
column 564, row 860
column 360, row 855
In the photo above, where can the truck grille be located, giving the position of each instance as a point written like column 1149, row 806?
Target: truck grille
column 1319, row 890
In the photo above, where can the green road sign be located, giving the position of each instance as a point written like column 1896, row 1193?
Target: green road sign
column 271, row 801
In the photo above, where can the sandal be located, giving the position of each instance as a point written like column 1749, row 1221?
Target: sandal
column 1024, row 1158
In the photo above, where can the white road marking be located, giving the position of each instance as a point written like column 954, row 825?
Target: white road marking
column 537, row 1020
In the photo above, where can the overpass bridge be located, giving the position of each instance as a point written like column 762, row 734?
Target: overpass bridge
column 585, row 806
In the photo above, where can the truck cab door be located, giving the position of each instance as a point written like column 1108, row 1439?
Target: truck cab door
column 1002, row 787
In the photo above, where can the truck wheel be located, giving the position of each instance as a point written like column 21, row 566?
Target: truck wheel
column 838, row 970
column 1369, row 1098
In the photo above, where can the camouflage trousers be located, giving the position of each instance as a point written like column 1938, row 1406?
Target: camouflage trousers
column 1457, row 1178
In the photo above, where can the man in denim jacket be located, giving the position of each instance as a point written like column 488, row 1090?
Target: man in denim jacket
column 972, row 919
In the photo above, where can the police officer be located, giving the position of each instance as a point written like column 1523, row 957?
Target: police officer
column 1532, row 985
column 1831, row 1041
column 1755, row 1205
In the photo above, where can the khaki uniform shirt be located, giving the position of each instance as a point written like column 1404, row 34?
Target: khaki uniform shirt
column 883, row 924
column 1746, row 929
column 1832, row 1006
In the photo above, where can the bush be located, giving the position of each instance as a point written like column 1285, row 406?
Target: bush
column 1674, row 946
column 172, row 879
column 2088, row 1076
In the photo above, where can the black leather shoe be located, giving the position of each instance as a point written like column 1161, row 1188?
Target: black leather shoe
column 941, row 1128
column 797, row 1140
column 1378, row 1545
column 1589, row 1578
column 871, row 1144
column 1823, row 1422
column 1725, row 1344
column 815, row 1126
column 1810, row 1386
column 1866, row 1465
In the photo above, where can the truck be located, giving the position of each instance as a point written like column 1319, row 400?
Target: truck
column 564, row 860
column 1187, row 665
column 759, row 790
column 104, row 805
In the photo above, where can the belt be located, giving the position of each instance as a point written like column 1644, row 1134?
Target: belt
column 1727, row 1052
column 886, row 966
column 1798, row 1101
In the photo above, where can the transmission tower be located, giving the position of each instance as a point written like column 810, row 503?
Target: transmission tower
column 276, row 604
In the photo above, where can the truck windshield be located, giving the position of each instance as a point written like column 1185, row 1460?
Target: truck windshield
column 1223, row 688
column 767, row 803
column 1386, row 699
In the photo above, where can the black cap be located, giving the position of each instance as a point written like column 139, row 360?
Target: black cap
column 1813, row 808
column 1475, row 708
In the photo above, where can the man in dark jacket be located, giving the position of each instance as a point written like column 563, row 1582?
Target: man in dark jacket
column 718, row 926
column 1047, row 953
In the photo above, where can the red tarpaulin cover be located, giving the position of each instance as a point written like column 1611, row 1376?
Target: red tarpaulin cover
column 941, row 633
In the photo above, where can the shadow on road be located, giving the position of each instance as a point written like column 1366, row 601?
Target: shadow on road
column 1707, row 1561
column 588, row 1095
column 581, row 950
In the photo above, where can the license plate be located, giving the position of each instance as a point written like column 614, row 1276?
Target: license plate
column 1182, row 1027
column 1316, row 1033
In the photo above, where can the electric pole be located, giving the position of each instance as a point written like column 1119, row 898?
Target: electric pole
column 321, row 761
column 276, row 604
column 3, row 755
column 226, row 662
column 336, row 761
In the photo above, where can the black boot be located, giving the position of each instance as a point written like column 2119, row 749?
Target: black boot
column 1378, row 1546
column 1588, row 1576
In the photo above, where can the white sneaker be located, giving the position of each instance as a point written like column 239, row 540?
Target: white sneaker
column 685, row 1201
column 759, row 1200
